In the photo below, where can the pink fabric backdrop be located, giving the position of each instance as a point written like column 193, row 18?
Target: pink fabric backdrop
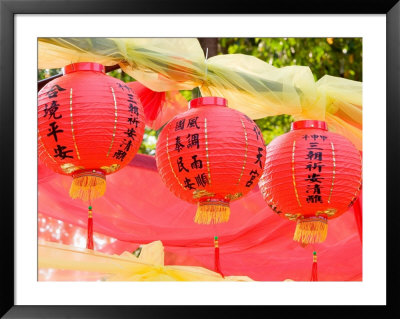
column 137, row 208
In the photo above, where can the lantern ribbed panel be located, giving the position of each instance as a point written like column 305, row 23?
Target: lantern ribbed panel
column 311, row 175
column 230, row 147
column 311, row 172
column 99, row 120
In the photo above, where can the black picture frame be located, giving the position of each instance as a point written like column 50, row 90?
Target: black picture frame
column 8, row 10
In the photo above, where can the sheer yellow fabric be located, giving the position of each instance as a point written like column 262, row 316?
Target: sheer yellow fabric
column 250, row 85
column 149, row 266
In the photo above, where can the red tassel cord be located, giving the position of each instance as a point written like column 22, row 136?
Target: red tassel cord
column 89, row 242
column 217, row 265
column 314, row 271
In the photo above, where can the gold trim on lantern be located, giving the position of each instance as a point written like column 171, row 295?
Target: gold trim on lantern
column 115, row 120
column 233, row 196
column 328, row 212
column 170, row 164
column 72, row 124
column 293, row 175
column 333, row 172
column 208, row 162
column 44, row 147
column 69, row 168
column 198, row 193
column 292, row 216
column 110, row 169
column 245, row 155
column 272, row 205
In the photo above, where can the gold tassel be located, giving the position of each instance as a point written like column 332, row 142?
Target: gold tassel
column 212, row 212
column 88, row 186
column 311, row 230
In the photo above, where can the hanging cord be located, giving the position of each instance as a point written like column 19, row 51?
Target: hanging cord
column 217, row 265
column 314, row 271
column 89, row 242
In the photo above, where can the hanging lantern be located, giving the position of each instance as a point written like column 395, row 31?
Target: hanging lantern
column 210, row 155
column 311, row 175
column 89, row 125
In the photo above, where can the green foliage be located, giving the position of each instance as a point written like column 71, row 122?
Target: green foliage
column 137, row 251
column 46, row 73
column 333, row 56
column 121, row 75
column 273, row 126
column 187, row 94
column 148, row 145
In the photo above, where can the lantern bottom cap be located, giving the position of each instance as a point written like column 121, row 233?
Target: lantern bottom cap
column 87, row 186
column 311, row 230
column 213, row 212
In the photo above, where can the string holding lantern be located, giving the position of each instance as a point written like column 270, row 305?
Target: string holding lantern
column 89, row 125
column 217, row 264
column 210, row 155
column 311, row 175
column 314, row 270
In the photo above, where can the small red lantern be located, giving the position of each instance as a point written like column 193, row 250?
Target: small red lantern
column 89, row 125
column 311, row 175
column 210, row 155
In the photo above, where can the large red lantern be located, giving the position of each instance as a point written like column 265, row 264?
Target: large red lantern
column 90, row 125
column 311, row 175
column 210, row 155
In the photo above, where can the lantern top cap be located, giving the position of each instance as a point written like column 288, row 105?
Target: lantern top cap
column 298, row 125
column 83, row 66
column 208, row 101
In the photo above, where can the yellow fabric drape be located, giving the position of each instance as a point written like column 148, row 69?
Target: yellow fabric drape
column 250, row 85
column 149, row 266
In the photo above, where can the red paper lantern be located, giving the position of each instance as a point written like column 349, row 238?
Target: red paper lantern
column 210, row 155
column 311, row 175
column 90, row 125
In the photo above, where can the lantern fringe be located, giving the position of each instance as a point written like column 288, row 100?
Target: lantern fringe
column 311, row 230
column 212, row 213
column 87, row 187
